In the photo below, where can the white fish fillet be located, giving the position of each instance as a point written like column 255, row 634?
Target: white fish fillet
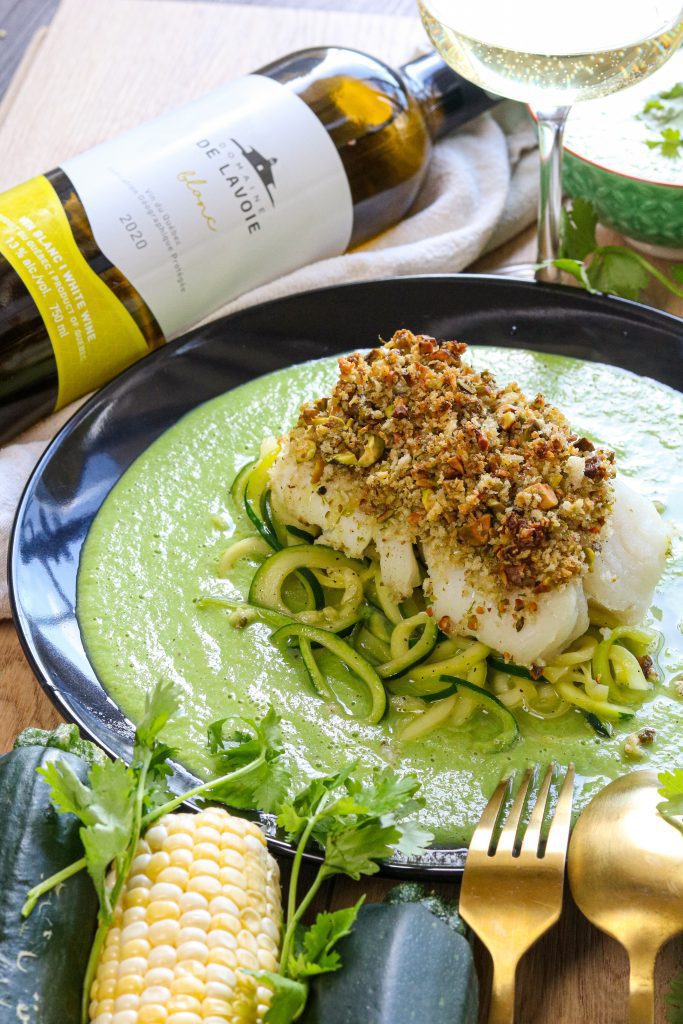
column 562, row 614
column 296, row 499
column 623, row 578
column 631, row 560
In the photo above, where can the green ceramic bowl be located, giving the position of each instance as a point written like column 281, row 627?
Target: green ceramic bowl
column 634, row 188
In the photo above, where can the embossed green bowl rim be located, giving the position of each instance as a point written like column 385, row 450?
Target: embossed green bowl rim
column 642, row 209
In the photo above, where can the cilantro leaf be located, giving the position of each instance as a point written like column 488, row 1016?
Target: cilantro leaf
column 656, row 113
column 265, row 785
column 160, row 704
column 157, row 792
column 577, row 230
column 414, row 839
column 316, row 954
column 577, row 269
column 388, row 793
column 618, row 271
column 670, row 145
column 289, row 996
column 355, row 850
column 294, row 816
column 671, row 808
column 674, row 1000
column 105, row 807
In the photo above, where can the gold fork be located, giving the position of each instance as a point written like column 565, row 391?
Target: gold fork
column 512, row 890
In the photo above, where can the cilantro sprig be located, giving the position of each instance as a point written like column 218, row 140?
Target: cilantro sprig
column 663, row 113
column 357, row 822
column 614, row 269
column 671, row 808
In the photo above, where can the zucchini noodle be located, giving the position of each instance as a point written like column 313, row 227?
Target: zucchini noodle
column 248, row 547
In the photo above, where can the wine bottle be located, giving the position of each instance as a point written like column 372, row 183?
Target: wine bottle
column 129, row 244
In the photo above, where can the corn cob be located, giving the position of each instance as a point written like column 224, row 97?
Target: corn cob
column 202, row 900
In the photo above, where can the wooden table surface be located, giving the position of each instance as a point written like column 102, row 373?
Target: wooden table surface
column 574, row 974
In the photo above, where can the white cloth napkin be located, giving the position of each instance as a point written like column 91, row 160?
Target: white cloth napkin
column 480, row 191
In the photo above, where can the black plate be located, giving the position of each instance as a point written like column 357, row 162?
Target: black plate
column 99, row 443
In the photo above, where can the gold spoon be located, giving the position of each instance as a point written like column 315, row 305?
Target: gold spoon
column 626, row 874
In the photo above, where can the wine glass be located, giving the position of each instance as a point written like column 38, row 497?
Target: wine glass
column 549, row 56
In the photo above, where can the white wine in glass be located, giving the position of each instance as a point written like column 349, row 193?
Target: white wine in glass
column 550, row 56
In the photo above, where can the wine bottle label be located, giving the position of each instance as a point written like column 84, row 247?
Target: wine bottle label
column 206, row 202
column 92, row 334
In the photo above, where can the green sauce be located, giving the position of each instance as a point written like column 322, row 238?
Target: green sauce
column 154, row 546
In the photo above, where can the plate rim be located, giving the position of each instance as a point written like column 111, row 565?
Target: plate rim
column 453, row 858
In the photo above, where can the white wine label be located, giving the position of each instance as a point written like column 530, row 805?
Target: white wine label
column 206, row 202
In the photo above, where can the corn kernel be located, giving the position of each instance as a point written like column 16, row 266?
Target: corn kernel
column 193, row 901
column 135, row 947
column 195, row 968
column 188, row 985
column 137, row 897
column 129, row 1001
column 125, row 1017
column 175, row 875
column 159, row 976
column 204, row 884
column 193, row 951
column 129, row 984
column 162, row 956
column 198, row 918
column 163, row 910
column 152, row 1014
column 155, row 994
column 163, row 933
column 156, row 837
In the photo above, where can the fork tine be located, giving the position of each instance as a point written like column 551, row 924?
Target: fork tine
column 532, row 836
column 559, row 828
column 483, row 834
column 508, row 834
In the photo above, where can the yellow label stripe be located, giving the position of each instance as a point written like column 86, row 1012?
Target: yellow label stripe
column 93, row 335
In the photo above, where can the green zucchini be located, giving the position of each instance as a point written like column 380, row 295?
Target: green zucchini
column 501, row 665
column 255, row 490
column 509, row 731
column 301, row 535
column 602, row 709
column 240, row 482
column 403, row 656
column 43, row 957
column 401, row 965
column 269, row 579
column 605, row 729
column 350, row 657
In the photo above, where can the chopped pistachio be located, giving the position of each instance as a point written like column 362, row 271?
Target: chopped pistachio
column 373, row 450
column 633, row 746
column 345, row 459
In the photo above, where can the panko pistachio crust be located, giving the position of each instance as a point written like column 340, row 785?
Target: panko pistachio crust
column 500, row 480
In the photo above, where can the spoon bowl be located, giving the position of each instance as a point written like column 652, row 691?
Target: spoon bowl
column 626, row 875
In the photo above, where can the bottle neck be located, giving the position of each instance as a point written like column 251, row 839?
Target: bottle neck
column 447, row 99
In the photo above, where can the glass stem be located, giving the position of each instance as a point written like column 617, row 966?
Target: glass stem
column 550, row 131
